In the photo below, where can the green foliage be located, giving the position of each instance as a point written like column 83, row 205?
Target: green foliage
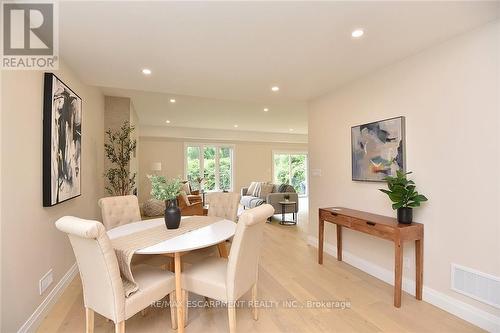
column 402, row 191
column 119, row 150
column 209, row 153
column 165, row 189
column 291, row 169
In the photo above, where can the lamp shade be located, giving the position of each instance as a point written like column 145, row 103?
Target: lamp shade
column 156, row 166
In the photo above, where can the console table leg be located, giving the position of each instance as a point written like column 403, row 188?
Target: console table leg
column 398, row 272
column 321, row 231
column 339, row 242
column 419, row 268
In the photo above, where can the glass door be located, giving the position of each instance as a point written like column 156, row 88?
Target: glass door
column 291, row 168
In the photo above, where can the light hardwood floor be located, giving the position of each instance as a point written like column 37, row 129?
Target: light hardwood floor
column 288, row 271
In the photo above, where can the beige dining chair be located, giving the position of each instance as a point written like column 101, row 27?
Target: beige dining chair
column 220, row 204
column 228, row 279
column 119, row 210
column 102, row 285
column 223, row 204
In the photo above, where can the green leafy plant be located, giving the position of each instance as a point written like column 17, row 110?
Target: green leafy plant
column 402, row 191
column 165, row 189
column 119, row 150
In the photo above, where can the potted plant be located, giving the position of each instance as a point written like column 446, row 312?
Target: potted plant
column 404, row 196
column 167, row 190
column 119, row 150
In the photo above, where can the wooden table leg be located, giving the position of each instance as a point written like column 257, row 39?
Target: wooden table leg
column 339, row 242
column 321, row 232
column 222, row 250
column 419, row 268
column 398, row 272
column 178, row 293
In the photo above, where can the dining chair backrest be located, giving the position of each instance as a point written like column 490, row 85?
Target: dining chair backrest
column 102, row 285
column 119, row 210
column 224, row 204
column 245, row 251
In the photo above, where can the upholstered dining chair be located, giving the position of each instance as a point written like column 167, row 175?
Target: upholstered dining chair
column 119, row 210
column 224, row 204
column 102, row 285
column 220, row 204
column 228, row 279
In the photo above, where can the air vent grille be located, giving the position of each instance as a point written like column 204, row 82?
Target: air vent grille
column 478, row 285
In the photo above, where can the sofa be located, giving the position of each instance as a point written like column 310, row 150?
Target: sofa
column 277, row 193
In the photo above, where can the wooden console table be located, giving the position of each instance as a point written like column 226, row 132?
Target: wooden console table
column 383, row 227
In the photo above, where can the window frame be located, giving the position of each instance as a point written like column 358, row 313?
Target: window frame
column 289, row 153
column 202, row 146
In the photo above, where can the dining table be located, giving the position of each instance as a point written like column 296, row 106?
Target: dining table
column 213, row 234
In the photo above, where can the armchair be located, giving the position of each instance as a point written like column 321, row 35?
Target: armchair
column 187, row 208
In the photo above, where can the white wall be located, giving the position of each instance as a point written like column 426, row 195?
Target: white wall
column 31, row 245
column 449, row 95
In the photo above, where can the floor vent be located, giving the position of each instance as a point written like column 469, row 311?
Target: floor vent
column 478, row 285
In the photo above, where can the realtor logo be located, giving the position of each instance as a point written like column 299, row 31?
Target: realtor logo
column 29, row 36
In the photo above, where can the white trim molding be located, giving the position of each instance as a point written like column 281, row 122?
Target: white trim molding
column 473, row 315
column 41, row 311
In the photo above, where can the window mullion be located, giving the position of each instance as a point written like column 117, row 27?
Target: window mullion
column 202, row 161
column 217, row 160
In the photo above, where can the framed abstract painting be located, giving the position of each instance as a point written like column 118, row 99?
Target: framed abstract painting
column 378, row 149
column 62, row 142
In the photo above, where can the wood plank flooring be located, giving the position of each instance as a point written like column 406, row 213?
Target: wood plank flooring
column 288, row 272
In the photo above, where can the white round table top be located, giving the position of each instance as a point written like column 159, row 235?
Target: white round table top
column 203, row 237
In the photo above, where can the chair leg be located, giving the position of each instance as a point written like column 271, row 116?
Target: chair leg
column 173, row 310
column 185, row 298
column 89, row 320
column 255, row 309
column 231, row 311
column 120, row 327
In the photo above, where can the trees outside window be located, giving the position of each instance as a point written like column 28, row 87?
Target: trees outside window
column 291, row 168
column 212, row 162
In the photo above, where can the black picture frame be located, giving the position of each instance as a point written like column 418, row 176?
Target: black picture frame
column 401, row 153
column 62, row 142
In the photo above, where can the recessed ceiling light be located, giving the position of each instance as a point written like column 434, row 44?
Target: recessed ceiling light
column 291, row 129
column 266, row 109
column 167, row 121
column 235, row 125
column 146, row 71
column 275, row 88
column 172, row 100
column 358, row 33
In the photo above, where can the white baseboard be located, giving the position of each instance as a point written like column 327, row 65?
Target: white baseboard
column 35, row 319
column 478, row 317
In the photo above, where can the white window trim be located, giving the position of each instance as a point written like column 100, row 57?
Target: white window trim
column 202, row 145
column 293, row 152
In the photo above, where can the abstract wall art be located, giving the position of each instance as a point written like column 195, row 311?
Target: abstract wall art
column 62, row 142
column 378, row 149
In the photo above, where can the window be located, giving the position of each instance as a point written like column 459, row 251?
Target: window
column 213, row 162
column 291, row 168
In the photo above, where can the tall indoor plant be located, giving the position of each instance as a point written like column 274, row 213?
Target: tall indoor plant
column 404, row 196
column 167, row 190
column 119, row 150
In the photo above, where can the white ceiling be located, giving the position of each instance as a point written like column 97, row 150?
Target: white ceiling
column 189, row 111
column 231, row 53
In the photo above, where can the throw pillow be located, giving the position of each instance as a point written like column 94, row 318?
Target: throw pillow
column 185, row 198
column 256, row 191
column 282, row 188
column 265, row 189
column 251, row 188
column 186, row 188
